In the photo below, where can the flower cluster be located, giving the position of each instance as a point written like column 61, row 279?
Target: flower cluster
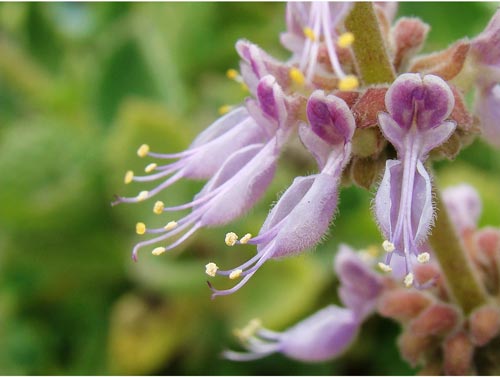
column 435, row 334
column 373, row 134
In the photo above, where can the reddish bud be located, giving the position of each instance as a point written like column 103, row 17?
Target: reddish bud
column 408, row 36
column 437, row 319
column 445, row 64
column 488, row 240
column 402, row 304
column 484, row 325
column 413, row 347
column 458, row 351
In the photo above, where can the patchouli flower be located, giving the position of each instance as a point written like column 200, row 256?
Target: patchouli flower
column 256, row 63
column 415, row 125
column 313, row 27
column 242, row 177
column 328, row 332
column 486, row 60
column 464, row 206
column 360, row 286
column 322, row 336
column 302, row 215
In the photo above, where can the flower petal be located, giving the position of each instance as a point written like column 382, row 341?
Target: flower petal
column 330, row 118
column 427, row 102
column 322, row 336
column 360, row 286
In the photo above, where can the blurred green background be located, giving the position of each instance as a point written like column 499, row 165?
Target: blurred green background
column 82, row 85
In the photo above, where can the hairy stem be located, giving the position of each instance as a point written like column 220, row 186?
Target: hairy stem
column 460, row 278
column 369, row 49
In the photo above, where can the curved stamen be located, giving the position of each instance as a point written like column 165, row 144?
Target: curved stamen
column 163, row 237
column 243, row 266
column 186, row 235
column 247, row 275
column 162, row 173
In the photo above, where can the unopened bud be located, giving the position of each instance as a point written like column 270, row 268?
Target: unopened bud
column 402, row 304
column 484, row 324
column 458, row 351
column 413, row 347
column 437, row 319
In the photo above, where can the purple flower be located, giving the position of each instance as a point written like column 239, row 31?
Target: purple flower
column 328, row 332
column 303, row 213
column 312, row 27
column 243, row 176
column 464, row 206
column 485, row 53
column 415, row 125
column 322, row 336
column 206, row 154
column 256, row 63
column 360, row 286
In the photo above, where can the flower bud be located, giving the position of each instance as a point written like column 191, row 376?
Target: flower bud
column 484, row 325
column 458, row 351
column 402, row 304
column 437, row 319
column 413, row 346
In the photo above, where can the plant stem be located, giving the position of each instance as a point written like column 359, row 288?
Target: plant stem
column 369, row 49
column 374, row 67
column 455, row 264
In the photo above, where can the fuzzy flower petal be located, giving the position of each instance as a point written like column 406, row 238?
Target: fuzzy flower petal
column 240, row 181
column 256, row 64
column 464, row 206
column 485, row 60
column 487, row 107
column 323, row 336
column 360, row 286
column 302, row 215
column 415, row 125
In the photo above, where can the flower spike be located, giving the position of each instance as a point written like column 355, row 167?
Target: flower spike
column 415, row 125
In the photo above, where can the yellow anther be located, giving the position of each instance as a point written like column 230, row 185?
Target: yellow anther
column 231, row 239
column 388, row 246
column 244, row 87
column 143, row 195
column 309, row 33
column 129, row 176
column 150, row 168
column 140, row 228
column 296, row 76
column 224, row 109
column 408, row 281
column 423, row 258
column 211, row 269
column 384, row 267
column 235, row 274
column 349, row 82
column 171, row 225
column 245, row 238
column 158, row 251
column 158, row 207
column 249, row 330
column 143, row 150
column 232, row 74
column 345, row 40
